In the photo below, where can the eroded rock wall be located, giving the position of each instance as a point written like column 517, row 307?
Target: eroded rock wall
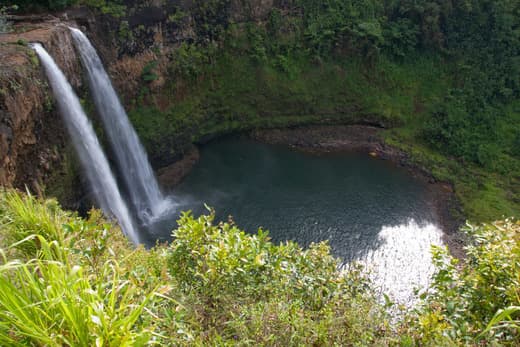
column 150, row 31
column 32, row 136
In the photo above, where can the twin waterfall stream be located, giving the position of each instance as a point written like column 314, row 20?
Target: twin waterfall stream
column 147, row 201
column 130, row 156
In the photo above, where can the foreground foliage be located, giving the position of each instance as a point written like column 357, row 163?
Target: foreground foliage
column 69, row 281
column 65, row 280
column 481, row 301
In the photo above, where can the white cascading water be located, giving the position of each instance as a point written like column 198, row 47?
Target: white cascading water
column 130, row 155
column 87, row 146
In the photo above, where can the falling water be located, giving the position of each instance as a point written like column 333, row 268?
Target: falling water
column 83, row 137
column 130, row 156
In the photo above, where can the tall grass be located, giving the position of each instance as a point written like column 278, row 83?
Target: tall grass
column 25, row 217
column 52, row 293
column 48, row 302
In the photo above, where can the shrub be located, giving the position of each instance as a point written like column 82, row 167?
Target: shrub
column 248, row 289
column 477, row 304
column 66, row 280
column 115, row 8
column 38, row 5
column 5, row 25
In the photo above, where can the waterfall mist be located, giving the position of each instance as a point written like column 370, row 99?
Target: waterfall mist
column 130, row 156
column 84, row 139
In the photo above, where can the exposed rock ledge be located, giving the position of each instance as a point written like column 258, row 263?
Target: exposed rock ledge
column 173, row 174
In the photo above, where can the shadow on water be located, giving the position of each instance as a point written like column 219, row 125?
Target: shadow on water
column 365, row 208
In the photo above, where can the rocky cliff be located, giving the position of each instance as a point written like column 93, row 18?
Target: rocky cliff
column 33, row 141
column 32, row 137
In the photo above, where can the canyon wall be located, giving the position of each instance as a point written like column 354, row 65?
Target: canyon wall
column 34, row 150
column 33, row 141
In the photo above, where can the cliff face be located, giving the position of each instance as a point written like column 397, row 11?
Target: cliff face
column 33, row 140
column 151, row 32
column 148, row 50
column 32, row 137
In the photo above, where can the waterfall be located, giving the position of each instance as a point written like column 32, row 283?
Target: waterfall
column 87, row 146
column 130, row 155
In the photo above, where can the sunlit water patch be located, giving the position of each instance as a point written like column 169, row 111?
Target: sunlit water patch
column 402, row 264
column 368, row 209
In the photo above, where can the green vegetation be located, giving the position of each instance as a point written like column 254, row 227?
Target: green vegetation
column 65, row 280
column 38, row 5
column 443, row 75
column 114, row 8
column 5, row 25
column 481, row 300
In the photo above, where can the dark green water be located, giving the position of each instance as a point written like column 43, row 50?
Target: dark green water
column 365, row 207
